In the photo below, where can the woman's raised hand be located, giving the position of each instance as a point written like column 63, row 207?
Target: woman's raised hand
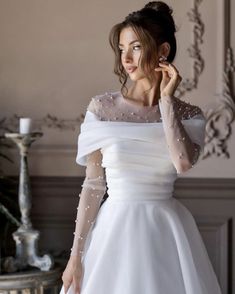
column 170, row 78
column 73, row 274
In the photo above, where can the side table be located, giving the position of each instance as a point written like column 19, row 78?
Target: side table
column 32, row 281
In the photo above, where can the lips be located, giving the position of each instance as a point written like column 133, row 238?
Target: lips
column 131, row 69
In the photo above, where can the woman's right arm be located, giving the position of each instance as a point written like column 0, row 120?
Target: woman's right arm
column 93, row 190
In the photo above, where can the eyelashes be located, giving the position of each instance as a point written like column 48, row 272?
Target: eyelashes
column 134, row 48
column 137, row 47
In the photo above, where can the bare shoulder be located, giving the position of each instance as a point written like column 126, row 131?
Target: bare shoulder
column 186, row 110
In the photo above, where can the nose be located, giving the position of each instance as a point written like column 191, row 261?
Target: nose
column 127, row 56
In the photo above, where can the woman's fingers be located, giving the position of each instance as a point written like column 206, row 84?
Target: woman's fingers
column 165, row 75
column 76, row 285
column 167, row 64
column 160, row 69
column 164, row 69
column 172, row 66
column 66, row 283
column 171, row 69
column 170, row 77
column 165, row 72
column 66, row 288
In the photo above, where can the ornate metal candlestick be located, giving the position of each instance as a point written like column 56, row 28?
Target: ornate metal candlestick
column 26, row 237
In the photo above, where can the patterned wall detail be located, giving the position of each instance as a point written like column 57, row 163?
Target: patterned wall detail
column 49, row 121
column 219, row 120
column 194, row 51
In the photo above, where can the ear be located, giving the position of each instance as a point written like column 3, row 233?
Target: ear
column 164, row 49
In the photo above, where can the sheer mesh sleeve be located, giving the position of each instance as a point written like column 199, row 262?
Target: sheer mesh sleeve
column 93, row 190
column 184, row 151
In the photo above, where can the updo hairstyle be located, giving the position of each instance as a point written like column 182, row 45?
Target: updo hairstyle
column 153, row 25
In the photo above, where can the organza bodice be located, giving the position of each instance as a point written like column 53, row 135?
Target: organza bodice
column 139, row 167
column 134, row 155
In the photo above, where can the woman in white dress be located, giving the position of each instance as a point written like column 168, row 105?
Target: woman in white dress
column 141, row 240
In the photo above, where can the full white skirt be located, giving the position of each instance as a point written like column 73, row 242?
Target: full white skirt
column 146, row 247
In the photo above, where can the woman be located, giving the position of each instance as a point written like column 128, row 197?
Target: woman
column 135, row 142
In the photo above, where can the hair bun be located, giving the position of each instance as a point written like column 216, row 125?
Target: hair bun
column 159, row 6
column 164, row 10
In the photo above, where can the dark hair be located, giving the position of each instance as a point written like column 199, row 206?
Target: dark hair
column 153, row 25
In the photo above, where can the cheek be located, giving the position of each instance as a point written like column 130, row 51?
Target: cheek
column 137, row 58
column 122, row 59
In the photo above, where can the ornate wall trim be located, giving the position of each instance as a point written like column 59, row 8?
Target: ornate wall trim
column 219, row 119
column 189, row 84
column 49, row 121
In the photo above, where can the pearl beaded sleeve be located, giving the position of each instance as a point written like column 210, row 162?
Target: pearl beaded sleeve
column 93, row 190
column 183, row 151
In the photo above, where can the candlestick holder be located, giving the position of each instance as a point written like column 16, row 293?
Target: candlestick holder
column 26, row 237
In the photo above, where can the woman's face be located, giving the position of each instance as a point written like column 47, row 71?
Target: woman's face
column 130, row 49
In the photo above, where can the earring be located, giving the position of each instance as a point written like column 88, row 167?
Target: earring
column 162, row 58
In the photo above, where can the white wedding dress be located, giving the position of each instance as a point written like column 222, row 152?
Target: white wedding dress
column 143, row 240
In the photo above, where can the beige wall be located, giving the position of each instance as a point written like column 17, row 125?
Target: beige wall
column 55, row 56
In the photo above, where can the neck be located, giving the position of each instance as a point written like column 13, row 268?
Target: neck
column 141, row 93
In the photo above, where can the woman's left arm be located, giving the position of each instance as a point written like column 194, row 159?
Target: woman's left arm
column 183, row 151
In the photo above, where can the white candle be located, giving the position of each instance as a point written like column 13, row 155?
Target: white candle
column 25, row 125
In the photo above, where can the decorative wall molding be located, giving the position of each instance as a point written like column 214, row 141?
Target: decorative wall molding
column 188, row 84
column 49, row 121
column 219, row 119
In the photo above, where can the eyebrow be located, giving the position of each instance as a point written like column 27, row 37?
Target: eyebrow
column 129, row 43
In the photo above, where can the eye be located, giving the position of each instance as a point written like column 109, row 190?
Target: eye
column 136, row 47
column 121, row 50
